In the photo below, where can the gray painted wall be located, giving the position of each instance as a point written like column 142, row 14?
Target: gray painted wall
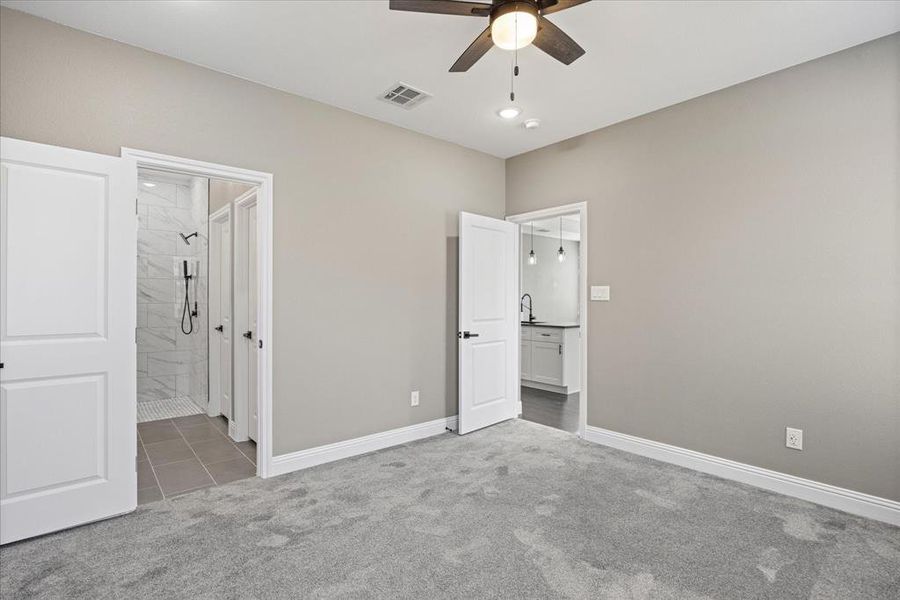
column 553, row 285
column 752, row 241
column 365, row 215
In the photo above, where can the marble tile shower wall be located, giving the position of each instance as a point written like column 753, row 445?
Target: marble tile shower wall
column 170, row 363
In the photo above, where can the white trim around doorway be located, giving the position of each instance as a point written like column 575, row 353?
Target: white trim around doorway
column 580, row 209
column 263, row 182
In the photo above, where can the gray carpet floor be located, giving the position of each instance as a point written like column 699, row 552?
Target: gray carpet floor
column 517, row 510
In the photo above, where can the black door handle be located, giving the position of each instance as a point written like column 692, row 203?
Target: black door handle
column 248, row 335
column 220, row 328
column 466, row 335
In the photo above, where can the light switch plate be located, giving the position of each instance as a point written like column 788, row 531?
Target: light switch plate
column 600, row 293
column 414, row 398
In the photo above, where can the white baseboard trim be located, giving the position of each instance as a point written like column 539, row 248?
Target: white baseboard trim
column 303, row 459
column 857, row 503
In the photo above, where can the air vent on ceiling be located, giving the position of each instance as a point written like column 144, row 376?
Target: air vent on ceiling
column 404, row 95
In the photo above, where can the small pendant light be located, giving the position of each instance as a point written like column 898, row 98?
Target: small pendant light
column 561, row 254
column 532, row 258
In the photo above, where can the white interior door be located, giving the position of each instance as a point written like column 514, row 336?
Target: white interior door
column 252, row 315
column 67, row 338
column 488, row 321
column 220, row 322
column 244, row 421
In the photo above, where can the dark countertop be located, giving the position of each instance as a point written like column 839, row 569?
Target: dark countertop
column 552, row 324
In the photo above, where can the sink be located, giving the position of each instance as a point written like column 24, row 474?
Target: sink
column 532, row 322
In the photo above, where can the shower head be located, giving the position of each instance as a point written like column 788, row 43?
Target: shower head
column 187, row 238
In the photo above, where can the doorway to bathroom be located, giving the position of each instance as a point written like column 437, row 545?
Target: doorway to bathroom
column 202, row 315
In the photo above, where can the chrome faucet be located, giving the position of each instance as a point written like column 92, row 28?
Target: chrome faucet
column 522, row 306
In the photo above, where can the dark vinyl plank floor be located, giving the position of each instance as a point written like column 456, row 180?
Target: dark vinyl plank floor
column 554, row 410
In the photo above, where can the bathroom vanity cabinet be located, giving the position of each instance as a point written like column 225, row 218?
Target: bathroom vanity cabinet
column 550, row 357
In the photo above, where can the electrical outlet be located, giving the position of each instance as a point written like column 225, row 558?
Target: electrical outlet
column 793, row 438
column 414, row 398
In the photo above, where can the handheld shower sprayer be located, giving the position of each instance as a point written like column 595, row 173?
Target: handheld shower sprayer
column 187, row 313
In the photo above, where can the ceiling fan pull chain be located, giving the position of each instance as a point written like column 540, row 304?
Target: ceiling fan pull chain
column 512, row 81
column 512, row 88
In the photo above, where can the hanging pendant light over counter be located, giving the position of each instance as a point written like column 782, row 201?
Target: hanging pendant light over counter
column 561, row 254
column 532, row 258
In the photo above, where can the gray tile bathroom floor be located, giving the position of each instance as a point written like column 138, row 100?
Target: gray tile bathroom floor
column 188, row 453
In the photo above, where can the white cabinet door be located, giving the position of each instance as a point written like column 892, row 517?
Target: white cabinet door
column 68, row 292
column 547, row 362
column 525, row 354
column 488, row 321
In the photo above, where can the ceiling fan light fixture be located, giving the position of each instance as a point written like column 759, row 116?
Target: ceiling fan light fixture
column 514, row 25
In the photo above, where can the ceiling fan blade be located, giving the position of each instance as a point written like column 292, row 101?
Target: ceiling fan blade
column 476, row 50
column 552, row 6
column 443, row 7
column 554, row 41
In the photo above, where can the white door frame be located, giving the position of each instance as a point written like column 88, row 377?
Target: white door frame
column 263, row 182
column 240, row 413
column 216, row 219
column 579, row 208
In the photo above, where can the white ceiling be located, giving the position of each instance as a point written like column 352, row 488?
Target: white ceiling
column 641, row 56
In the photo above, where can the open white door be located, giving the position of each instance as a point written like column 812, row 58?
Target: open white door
column 488, row 321
column 220, row 326
column 252, row 318
column 244, row 420
column 67, row 338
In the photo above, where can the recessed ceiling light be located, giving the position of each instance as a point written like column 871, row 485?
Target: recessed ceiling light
column 510, row 112
column 148, row 184
column 532, row 123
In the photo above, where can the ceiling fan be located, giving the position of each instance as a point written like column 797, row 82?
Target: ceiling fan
column 513, row 24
